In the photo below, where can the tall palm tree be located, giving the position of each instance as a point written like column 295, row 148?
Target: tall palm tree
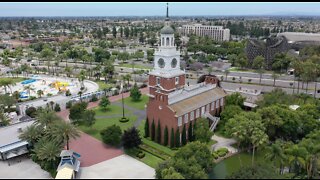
column 276, row 153
column 313, row 156
column 274, row 76
column 46, row 117
column 40, row 93
column 28, row 89
column 227, row 72
column 61, row 132
column 31, row 134
column 47, row 151
column 296, row 157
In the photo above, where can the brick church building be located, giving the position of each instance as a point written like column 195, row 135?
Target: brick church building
column 171, row 101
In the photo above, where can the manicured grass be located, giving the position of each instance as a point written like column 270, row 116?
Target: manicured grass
column 111, row 110
column 148, row 159
column 155, row 145
column 151, row 160
column 106, row 122
column 137, row 104
column 136, row 66
column 15, row 79
column 103, row 85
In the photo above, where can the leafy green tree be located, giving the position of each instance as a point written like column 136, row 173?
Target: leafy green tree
column 131, row 138
column 166, row 136
column 88, row 118
column 114, row 31
column 61, row 132
column 135, row 93
column 248, row 128
column 258, row 62
column 111, row 135
column 202, row 131
column 76, row 112
column 172, row 138
column 171, row 173
column 153, row 131
column 104, row 103
column 235, row 99
column 126, row 32
column 146, row 129
column 159, row 132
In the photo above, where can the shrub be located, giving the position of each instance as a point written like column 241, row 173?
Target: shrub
column 135, row 93
column 215, row 155
column 31, row 111
column 141, row 154
column 57, row 108
column 94, row 98
column 111, row 135
column 104, row 103
column 124, row 120
column 32, row 98
column 49, row 94
column 68, row 104
column 68, row 93
column 131, row 138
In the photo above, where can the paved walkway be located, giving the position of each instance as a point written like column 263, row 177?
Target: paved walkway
column 224, row 142
column 121, row 167
column 26, row 169
column 92, row 150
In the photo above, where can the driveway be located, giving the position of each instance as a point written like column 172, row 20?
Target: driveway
column 26, row 169
column 224, row 143
column 118, row 168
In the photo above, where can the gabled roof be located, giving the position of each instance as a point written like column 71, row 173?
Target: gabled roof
column 197, row 101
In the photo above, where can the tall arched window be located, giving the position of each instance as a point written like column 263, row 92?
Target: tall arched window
column 167, row 44
column 162, row 42
column 172, row 42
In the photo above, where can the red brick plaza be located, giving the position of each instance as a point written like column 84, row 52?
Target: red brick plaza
column 92, row 150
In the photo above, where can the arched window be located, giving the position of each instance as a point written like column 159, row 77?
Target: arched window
column 162, row 42
column 167, row 44
column 172, row 42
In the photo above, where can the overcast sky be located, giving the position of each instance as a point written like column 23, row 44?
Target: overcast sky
column 156, row 9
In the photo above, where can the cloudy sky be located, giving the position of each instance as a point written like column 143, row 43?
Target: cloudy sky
column 156, row 8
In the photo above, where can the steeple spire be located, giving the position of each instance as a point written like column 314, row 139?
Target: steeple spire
column 167, row 17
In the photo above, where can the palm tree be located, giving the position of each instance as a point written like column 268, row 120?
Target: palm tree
column 296, row 157
column 28, row 89
column 274, row 76
column 31, row 134
column 61, row 132
column 82, row 77
column 260, row 71
column 6, row 83
column 46, row 117
column 80, row 94
column 227, row 72
column 47, row 151
column 276, row 153
column 40, row 93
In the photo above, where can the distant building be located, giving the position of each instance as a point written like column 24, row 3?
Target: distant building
column 267, row 49
column 298, row 40
column 217, row 33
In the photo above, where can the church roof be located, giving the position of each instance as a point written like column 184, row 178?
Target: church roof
column 167, row 30
column 197, row 101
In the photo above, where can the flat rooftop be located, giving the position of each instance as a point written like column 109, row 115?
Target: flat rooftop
column 10, row 134
column 299, row 36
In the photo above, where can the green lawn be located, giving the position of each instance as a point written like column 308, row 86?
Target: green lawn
column 111, row 110
column 102, row 123
column 237, row 69
column 103, row 85
column 139, row 104
column 136, row 66
column 16, row 79
column 151, row 160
